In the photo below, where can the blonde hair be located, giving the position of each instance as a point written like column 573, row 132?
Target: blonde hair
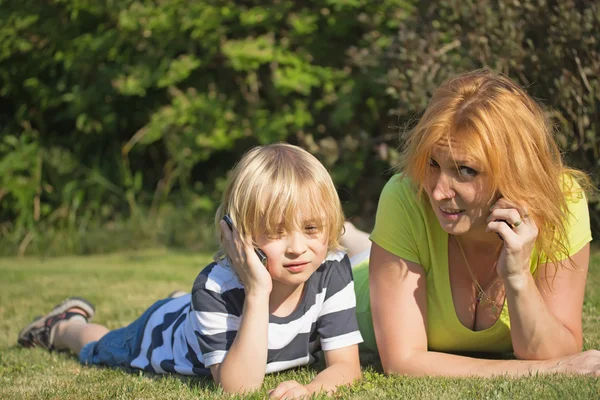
column 510, row 138
column 280, row 184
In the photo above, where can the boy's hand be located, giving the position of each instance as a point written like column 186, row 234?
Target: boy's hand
column 254, row 276
column 289, row 390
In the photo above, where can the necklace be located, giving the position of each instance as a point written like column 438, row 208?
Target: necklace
column 482, row 297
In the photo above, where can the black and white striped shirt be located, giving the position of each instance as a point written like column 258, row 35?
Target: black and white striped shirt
column 188, row 334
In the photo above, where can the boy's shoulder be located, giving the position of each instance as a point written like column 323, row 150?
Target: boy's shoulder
column 218, row 289
column 217, row 277
column 336, row 261
column 334, row 271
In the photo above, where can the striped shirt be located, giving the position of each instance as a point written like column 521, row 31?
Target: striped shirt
column 188, row 334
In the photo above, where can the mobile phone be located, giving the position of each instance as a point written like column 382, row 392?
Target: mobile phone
column 502, row 220
column 506, row 222
column 261, row 255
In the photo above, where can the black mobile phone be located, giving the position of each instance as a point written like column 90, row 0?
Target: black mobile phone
column 502, row 220
column 506, row 222
column 261, row 255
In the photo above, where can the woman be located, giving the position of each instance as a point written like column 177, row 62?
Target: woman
column 481, row 242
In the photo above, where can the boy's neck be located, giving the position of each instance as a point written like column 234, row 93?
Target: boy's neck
column 284, row 299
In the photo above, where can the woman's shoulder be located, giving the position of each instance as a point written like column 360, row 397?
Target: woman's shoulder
column 402, row 189
column 402, row 183
column 405, row 224
column 572, row 187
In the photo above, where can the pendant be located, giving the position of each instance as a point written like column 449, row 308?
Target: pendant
column 491, row 304
column 486, row 302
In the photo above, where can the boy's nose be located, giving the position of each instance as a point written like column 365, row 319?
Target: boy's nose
column 296, row 243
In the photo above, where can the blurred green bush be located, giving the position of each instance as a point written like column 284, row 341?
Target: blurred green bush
column 120, row 119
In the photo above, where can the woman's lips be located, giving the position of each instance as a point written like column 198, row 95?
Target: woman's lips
column 451, row 213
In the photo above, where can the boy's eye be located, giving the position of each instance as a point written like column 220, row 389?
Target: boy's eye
column 433, row 163
column 467, row 171
column 311, row 229
column 276, row 234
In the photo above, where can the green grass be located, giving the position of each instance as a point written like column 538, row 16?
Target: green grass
column 123, row 285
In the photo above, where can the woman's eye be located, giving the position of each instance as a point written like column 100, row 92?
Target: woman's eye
column 433, row 163
column 467, row 171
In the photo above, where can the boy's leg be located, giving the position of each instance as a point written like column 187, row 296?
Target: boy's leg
column 354, row 240
column 74, row 334
column 64, row 327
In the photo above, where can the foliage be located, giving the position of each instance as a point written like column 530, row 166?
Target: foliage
column 125, row 115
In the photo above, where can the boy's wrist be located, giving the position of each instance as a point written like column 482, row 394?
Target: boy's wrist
column 257, row 296
column 312, row 388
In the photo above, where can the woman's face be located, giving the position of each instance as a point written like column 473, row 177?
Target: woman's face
column 458, row 191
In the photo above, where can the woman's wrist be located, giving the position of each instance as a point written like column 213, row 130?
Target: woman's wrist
column 518, row 282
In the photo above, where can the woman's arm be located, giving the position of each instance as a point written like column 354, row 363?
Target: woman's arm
column 545, row 312
column 399, row 306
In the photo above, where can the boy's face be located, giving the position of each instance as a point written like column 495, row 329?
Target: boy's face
column 294, row 255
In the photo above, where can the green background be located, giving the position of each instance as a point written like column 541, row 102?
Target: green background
column 119, row 119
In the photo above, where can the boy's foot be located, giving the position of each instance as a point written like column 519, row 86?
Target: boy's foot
column 40, row 331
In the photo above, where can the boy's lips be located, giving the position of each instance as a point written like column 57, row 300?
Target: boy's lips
column 296, row 266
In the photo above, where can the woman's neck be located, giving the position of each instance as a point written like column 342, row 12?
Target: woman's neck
column 479, row 242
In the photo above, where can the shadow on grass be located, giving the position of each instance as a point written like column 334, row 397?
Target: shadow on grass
column 193, row 382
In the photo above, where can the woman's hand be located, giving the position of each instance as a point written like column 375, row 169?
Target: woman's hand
column 512, row 223
column 254, row 275
column 586, row 363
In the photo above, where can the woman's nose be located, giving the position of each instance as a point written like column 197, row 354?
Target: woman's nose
column 443, row 187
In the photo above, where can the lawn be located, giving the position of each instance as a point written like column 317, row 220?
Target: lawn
column 123, row 285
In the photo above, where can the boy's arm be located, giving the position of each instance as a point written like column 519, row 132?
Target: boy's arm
column 338, row 330
column 342, row 368
column 243, row 368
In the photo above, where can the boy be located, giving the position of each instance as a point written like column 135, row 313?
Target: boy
column 243, row 319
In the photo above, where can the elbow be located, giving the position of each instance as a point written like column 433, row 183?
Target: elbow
column 236, row 388
column 231, row 385
column 351, row 374
column 354, row 375
column 402, row 369
column 403, row 365
column 394, row 369
column 234, row 383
